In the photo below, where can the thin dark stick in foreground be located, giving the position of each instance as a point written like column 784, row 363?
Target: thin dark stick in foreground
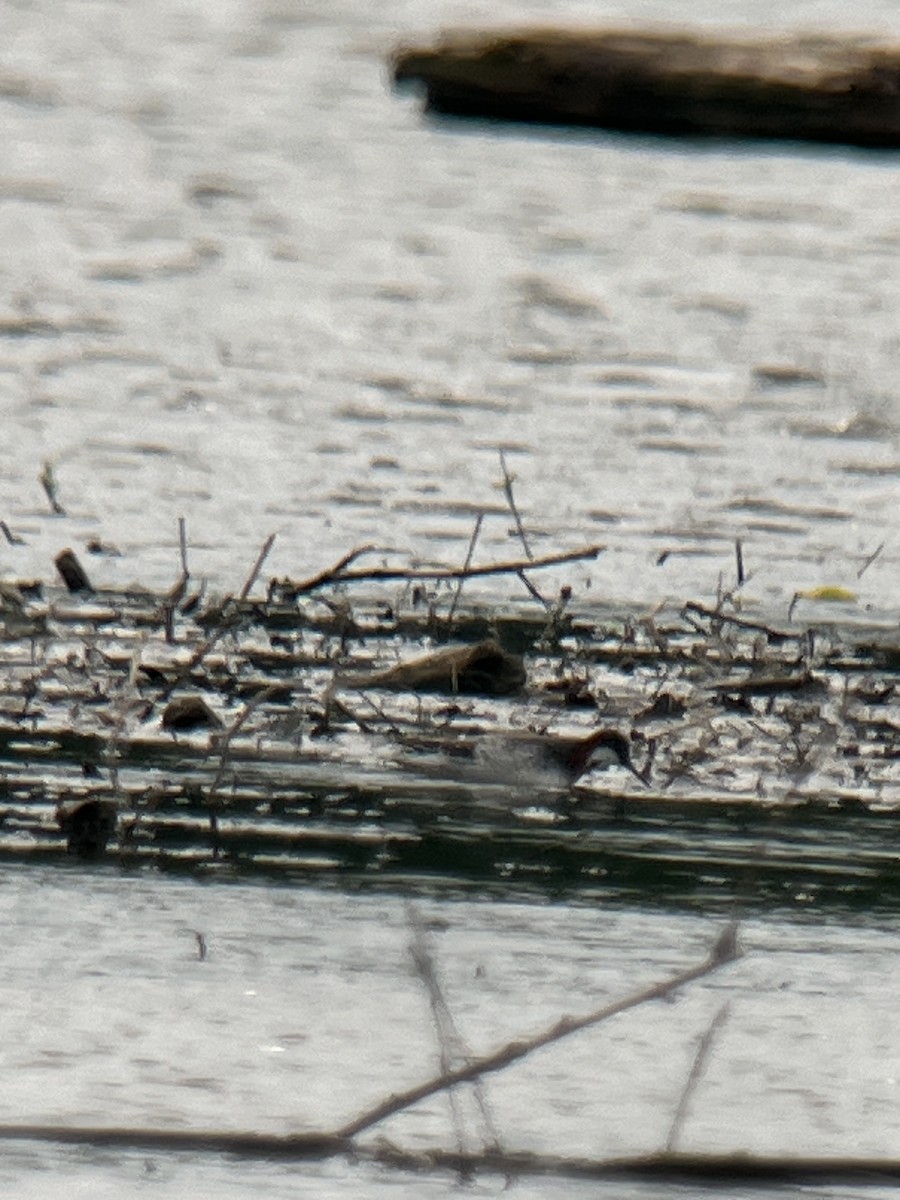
column 513, row 1051
column 471, row 550
column 511, row 501
column 520, row 529
column 48, row 483
column 257, row 567
column 212, row 801
column 383, row 574
column 696, row 1074
column 868, row 562
column 182, row 544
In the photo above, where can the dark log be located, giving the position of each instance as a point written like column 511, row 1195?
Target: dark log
column 825, row 89
column 485, row 669
column 73, row 573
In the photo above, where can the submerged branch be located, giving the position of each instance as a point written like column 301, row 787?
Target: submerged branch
column 665, row 1167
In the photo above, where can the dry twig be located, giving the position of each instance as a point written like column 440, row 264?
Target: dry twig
column 337, row 574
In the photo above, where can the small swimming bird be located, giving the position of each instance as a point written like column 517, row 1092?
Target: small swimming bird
column 573, row 757
column 521, row 759
column 557, row 760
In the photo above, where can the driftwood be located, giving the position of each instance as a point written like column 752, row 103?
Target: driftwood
column 722, row 1169
column 340, row 574
column 681, row 1168
column 72, row 572
column 776, row 86
column 485, row 669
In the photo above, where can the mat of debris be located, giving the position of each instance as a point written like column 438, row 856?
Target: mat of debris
column 332, row 733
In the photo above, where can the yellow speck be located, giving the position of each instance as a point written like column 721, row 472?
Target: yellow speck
column 832, row 595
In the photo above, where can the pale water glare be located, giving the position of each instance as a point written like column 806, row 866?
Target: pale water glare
column 246, row 284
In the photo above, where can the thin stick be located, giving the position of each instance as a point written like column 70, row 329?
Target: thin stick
column 378, row 574
column 868, row 562
column 212, row 801
column 176, row 594
column 329, row 575
column 425, row 970
column 695, row 1075
column 255, row 1145
column 257, row 567
column 533, row 590
column 12, row 538
column 48, row 483
column 511, row 501
column 182, row 542
column 471, row 550
column 739, row 561
column 715, row 614
column 513, row 1051
column 520, row 529
column 229, row 619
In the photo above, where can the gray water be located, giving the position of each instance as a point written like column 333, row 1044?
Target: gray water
column 306, row 1011
column 244, row 283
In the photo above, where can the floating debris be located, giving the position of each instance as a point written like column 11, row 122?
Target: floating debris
column 72, row 572
column 485, row 669
column 816, row 88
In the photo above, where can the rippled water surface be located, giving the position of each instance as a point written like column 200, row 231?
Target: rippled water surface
column 306, row 1011
column 244, row 283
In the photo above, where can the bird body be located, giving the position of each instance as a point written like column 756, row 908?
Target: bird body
column 557, row 760
column 577, row 756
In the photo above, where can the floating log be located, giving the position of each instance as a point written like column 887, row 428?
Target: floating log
column 72, row 572
column 485, row 669
column 824, row 89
